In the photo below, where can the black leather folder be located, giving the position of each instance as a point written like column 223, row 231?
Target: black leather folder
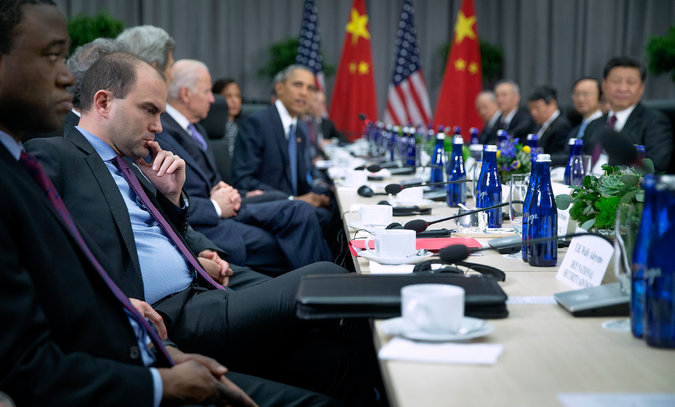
column 379, row 295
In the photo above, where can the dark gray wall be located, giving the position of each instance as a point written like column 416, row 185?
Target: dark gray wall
column 544, row 41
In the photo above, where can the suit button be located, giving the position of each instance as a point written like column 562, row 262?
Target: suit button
column 134, row 352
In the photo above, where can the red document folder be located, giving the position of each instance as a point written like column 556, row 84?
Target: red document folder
column 433, row 245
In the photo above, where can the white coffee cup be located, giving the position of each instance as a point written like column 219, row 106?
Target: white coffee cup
column 355, row 178
column 433, row 308
column 412, row 195
column 393, row 243
column 376, row 214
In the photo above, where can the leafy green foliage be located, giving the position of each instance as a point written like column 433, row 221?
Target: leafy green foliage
column 661, row 54
column 283, row 54
column 84, row 29
column 595, row 202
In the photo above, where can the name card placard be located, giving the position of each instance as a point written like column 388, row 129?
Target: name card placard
column 585, row 262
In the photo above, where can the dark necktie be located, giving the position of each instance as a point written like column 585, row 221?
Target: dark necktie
column 35, row 170
column 140, row 193
column 597, row 151
column 293, row 158
column 197, row 136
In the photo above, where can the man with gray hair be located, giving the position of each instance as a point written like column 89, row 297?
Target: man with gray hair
column 486, row 104
column 514, row 119
column 152, row 44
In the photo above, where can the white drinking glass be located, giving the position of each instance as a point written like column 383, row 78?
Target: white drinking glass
column 517, row 191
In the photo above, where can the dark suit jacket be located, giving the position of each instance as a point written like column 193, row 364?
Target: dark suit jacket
column 645, row 126
column 520, row 126
column 261, row 154
column 65, row 338
column 555, row 136
column 96, row 202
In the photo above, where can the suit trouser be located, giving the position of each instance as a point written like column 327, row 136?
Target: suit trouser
column 254, row 330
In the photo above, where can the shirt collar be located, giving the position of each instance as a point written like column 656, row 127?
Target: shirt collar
column 102, row 148
column 509, row 116
column 178, row 117
column 286, row 119
column 597, row 114
column 13, row 147
column 494, row 118
column 621, row 117
column 76, row 113
column 550, row 120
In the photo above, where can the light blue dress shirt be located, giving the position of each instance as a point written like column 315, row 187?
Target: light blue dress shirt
column 15, row 148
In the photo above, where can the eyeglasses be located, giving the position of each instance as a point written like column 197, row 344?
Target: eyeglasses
column 577, row 95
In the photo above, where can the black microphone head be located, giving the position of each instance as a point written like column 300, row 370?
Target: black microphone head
column 454, row 253
column 393, row 189
column 374, row 168
column 383, row 202
column 365, row 191
column 362, row 117
column 619, row 149
column 394, row 225
column 418, row 225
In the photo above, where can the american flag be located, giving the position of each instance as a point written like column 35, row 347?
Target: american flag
column 309, row 48
column 407, row 98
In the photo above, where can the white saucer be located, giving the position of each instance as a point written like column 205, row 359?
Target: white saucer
column 370, row 227
column 470, row 328
column 415, row 258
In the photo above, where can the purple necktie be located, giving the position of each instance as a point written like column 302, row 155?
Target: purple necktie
column 197, row 136
column 140, row 192
column 35, row 170
column 598, row 147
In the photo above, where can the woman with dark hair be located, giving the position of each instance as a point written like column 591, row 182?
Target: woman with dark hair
column 229, row 90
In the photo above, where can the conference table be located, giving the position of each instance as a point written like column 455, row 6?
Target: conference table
column 548, row 358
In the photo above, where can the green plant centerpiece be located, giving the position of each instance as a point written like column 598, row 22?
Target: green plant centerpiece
column 595, row 202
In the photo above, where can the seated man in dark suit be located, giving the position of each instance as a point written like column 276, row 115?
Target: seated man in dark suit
column 137, row 213
column 514, row 119
column 269, row 153
column 486, row 104
column 623, row 86
column 274, row 236
column 552, row 127
column 69, row 336
column 586, row 99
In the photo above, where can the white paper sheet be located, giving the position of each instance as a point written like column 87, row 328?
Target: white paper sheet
column 462, row 353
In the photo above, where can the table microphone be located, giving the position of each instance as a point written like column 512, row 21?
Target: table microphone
column 396, row 188
column 420, row 225
column 459, row 252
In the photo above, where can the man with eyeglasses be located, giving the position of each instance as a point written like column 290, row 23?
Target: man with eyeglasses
column 586, row 99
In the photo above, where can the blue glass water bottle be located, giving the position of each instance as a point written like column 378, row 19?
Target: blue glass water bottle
column 543, row 217
column 639, row 258
column 533, row 142
column 412, row 148
column 575, row 171
column 456, row 171
column 527, row 202
column 641, row 153
column 438, row 161
column 474, row 136
column 659, row 273
column 489, row 188
column 403, row 145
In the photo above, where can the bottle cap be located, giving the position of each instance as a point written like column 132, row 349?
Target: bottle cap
column 457, row 140
column 473, row 130
column 572, row 141
column 440, row 136
column 490, row 148
column 666, row 182
column 543, row 158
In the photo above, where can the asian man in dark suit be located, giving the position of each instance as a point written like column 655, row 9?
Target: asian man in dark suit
column 486, row 104
column 142, row 233
column 273, row 236
column 514, row 119
column 70, row 338
column 552, row 126
column 623, row 86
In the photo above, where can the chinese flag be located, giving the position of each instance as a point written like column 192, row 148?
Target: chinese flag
column 462, row 78
column 354, row 90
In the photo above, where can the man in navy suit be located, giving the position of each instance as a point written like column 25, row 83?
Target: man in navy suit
column 514, row 119
column 552, row 127
column 273, row 236
column 270, row 153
